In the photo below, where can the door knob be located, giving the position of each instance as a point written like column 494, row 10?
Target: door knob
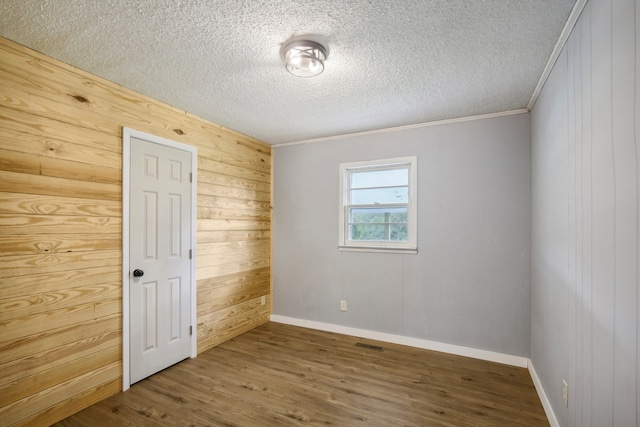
column 138, row 273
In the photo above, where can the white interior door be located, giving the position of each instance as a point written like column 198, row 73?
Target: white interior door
column 160, row 245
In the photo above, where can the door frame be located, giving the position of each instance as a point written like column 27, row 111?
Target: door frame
column 127, row 134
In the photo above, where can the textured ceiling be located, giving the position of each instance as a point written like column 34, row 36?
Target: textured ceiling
column 390, row 62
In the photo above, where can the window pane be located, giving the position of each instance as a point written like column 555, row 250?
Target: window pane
column 379, row 215
column 398, row 232
column 367, row 232
column 378, row 224
column 383, row 178
column 378, row 232
column 380, row 196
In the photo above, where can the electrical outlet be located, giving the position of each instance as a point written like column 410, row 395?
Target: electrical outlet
column 343, row 305
column 565, row 393
column 263, row 300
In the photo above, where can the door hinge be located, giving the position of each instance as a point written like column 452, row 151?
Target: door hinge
column 190, row 176
column 190, row 330
column 190, row 253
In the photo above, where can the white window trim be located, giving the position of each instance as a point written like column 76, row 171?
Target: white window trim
column 411, row 245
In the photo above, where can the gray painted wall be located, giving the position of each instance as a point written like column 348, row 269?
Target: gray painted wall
column 584, row 289
column 469, row 283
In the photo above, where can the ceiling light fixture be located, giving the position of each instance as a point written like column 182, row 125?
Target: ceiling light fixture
column 304, row 58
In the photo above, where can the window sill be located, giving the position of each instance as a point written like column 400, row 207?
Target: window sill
column 409, row 251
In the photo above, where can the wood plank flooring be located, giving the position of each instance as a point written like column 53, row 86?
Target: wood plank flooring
column 281, row 375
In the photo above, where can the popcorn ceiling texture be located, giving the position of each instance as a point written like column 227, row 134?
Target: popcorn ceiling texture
column 390, row 63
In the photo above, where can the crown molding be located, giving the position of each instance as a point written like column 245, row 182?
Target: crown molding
column 562, row 41
column 406, row 127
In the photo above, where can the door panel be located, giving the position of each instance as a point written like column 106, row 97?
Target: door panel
column 159, row 243
column 176, row 222
column 150, row 219
column 149, row 314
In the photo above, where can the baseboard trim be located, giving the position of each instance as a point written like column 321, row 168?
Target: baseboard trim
column 475, row 353
column 546, row 404
column 507, row 359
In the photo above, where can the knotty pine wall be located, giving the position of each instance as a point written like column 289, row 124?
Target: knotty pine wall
column 61, row 225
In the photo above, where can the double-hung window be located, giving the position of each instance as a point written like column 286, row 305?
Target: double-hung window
column 378, row 205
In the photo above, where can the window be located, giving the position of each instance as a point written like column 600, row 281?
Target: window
column 378, row 205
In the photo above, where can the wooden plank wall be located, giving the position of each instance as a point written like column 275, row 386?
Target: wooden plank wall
column 61, row 225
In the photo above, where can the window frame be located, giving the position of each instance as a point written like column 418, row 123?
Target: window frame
column 410, row 246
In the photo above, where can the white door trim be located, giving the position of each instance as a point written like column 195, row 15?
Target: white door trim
column 127, row 134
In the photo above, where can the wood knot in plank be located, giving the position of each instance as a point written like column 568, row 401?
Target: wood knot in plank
column 80, row 98
column 45, row 246
column 52, row 145
column 178, row 131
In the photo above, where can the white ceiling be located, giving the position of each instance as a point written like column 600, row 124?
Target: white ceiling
column 391, row 62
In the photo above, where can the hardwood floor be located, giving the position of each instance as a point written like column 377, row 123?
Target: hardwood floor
column 280, row 375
